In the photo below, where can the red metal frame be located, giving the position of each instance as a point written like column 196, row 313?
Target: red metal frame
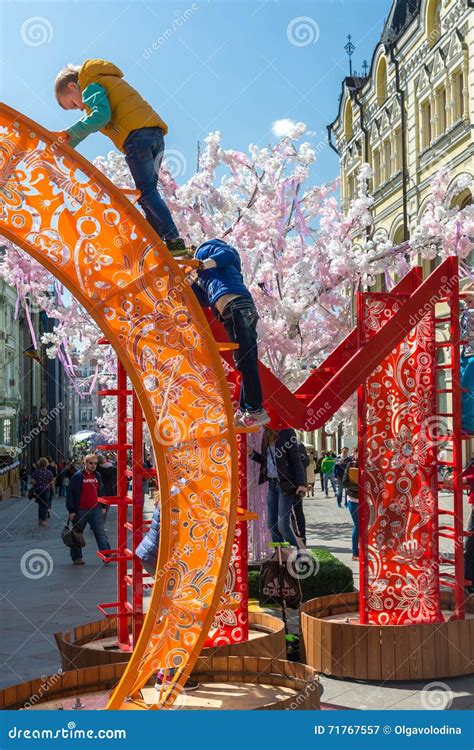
column 419, row 308
column 325, row 390
column 126, row 611
column 455, row 532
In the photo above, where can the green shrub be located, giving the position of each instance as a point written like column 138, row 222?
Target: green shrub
column 333, row 577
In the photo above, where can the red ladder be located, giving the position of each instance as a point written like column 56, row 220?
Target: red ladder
column 452, row 527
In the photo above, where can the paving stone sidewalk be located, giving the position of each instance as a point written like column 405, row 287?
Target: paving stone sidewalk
column 41, row 593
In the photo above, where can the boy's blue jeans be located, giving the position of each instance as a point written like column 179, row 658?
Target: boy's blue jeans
column 240, row 318
column 144, row 150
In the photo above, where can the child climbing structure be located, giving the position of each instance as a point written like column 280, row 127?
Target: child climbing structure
column 69, row 217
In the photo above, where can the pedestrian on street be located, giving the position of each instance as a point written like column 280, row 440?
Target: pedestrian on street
column 23, row 480
column 468, row 476
column 281, row 466
column 42, row 482
column 319, row 463
column 339, row 471
column 85, row 488
column 351, row 484
column 327, row 468
column 147, row 552
column 108, row 472
column 311, row 472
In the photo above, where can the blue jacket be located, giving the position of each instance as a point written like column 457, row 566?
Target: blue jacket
column 226, row 278
column 75, row 488
column 147, row 550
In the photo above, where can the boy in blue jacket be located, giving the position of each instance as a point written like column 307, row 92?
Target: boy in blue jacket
column 220, row 285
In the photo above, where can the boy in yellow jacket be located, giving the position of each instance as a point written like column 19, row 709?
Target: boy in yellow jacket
column 120, row 112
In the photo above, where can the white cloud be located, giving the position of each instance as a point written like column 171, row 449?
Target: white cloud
column 287, row 128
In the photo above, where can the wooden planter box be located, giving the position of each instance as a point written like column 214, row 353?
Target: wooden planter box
column 82, row 647
column 389, row 652
column 300, row 678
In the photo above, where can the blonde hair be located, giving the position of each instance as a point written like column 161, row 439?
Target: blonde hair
column 89, row 456
column 69, row 74
column 42, row 463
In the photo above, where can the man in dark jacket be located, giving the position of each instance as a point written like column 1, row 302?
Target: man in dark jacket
column 220, row 285
column 281, row 466
column 108, row 473
column 339, row 471
column 85, row 488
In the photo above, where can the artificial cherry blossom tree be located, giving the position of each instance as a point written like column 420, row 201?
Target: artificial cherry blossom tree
column 302, row 256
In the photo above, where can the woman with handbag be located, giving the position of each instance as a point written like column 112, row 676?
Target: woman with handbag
column 42, row 482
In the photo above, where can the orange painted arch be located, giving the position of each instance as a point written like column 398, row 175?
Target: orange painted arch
column 70, row 218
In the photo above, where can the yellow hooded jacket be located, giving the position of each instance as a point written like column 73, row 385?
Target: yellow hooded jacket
column 130, row 111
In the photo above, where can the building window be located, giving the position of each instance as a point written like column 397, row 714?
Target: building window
column 398, row 150
column 387, row 158
column 7, row 432
column 425, row 125
column 381, row 81
column 376, row 167
column 350, row 188
column 348, row 121
column 459, row 96
column 433, row 21
column 441, row 115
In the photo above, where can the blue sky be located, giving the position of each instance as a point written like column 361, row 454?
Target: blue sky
column 230, row 65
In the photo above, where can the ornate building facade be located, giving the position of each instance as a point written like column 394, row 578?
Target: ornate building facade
column 412, row 114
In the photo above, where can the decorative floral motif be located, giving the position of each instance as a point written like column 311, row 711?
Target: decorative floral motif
column 98, row 246
column 399, row 397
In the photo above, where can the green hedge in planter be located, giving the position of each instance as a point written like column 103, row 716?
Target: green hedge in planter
column 333, row 577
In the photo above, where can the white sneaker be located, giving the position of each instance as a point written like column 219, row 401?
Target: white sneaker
column 239, row 418
column 256, row 418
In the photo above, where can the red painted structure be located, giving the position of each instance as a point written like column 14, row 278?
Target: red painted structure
column 391, row 359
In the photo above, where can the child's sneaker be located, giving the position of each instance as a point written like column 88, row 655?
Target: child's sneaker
column 189, row 685
column 256, row 418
